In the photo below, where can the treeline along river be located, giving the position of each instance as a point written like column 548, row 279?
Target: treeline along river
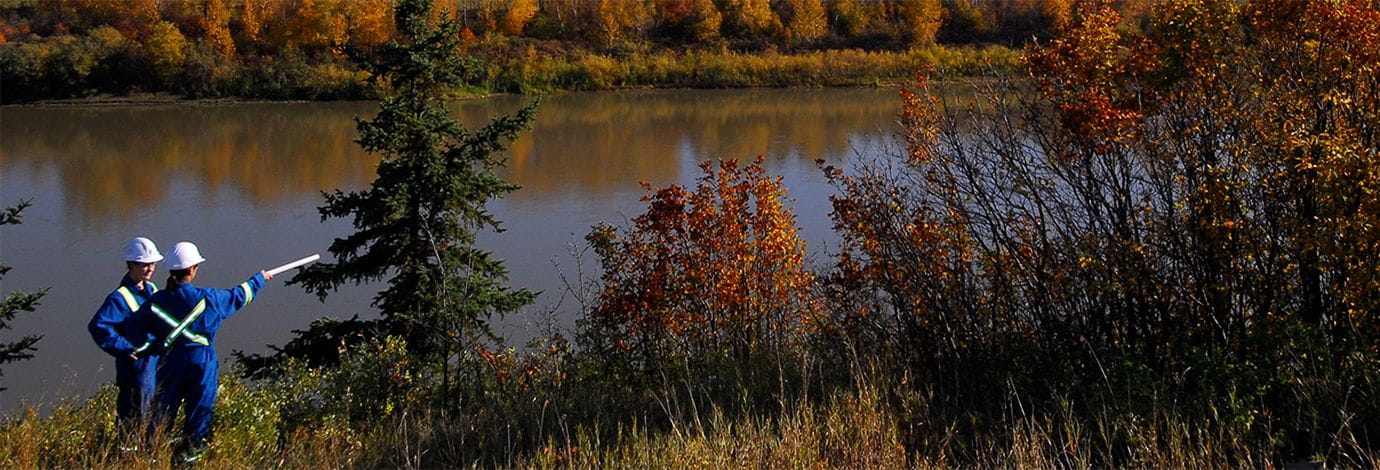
column 243, row 181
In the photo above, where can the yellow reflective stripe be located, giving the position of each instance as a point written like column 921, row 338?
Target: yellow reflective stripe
column 164, row 315
column 153, row 287
column 142, row 348
column 248, row 293
column 182, row 328
column 129, row 298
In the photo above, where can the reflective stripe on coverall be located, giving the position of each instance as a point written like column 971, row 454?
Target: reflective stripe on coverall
column 188, row 375
column 134, row 378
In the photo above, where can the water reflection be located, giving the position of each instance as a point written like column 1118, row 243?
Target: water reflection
column 113, row 159
column 638, row 136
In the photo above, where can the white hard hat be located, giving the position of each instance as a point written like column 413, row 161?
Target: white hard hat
column 184, row 255
column 142, row 250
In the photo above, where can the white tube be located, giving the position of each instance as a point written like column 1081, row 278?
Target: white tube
column 285, row 267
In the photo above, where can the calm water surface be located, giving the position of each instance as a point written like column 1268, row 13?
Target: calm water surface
column 243, row 181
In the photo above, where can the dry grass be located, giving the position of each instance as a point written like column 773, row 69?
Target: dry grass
column 851, row 429
column 727, row 69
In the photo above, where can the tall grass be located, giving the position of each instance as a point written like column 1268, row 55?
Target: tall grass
column 70, row 67
column 81, row 433
column 728, row 69
column 872, row 423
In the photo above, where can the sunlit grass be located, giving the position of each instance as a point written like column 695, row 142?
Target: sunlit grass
column 863, row 426
column 728, row 69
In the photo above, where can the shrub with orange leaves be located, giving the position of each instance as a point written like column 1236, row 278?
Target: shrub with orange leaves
column 717, row 269
column 1185, row 213
column 1088, row 72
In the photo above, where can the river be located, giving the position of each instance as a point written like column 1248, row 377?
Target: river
column 243, row 181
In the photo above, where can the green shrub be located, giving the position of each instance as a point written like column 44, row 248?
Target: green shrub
column 246, row 423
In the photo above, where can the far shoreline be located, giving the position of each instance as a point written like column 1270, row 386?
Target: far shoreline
column 159, row 98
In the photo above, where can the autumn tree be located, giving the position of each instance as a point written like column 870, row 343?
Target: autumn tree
column 704, row 22
column 716, row 269
column 416, row 223
column 139, row 18
column 215, row 24
column 748, row 18
column 516, row 16
column 692, row 20
column 370, row 23
column 311, row 24
column 920, row 20
column 802, row 20
column 253, row 15
column 848, row 17
column 168, row 48
column 614, row 19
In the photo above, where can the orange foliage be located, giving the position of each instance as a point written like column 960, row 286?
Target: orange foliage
column 215, row 22
column 515, row 18
column 370, row 23
column 1195, row 186
column 252, row 19
column 719, row 267
column 919, row 119
column 312, row 24
column 1086, row 73
column 139, row 16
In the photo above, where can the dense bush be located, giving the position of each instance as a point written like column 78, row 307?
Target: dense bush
column 1166, row 221
column 709, row 279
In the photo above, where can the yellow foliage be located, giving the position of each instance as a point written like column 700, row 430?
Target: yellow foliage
column 849, row 18
column 614, row 18
column 749, row 18
column 921, row 20
column 168, row 47
column 215, row 23
column 517, row 15
column 803, row 20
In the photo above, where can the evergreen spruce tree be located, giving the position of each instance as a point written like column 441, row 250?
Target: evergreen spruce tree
column 417, row 221
column 16, row 302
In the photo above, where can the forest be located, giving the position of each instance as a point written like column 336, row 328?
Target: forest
column 306, row 49
column 1151, row 245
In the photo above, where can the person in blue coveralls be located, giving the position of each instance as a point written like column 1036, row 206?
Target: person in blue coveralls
column 183, row 320
column 133, row 376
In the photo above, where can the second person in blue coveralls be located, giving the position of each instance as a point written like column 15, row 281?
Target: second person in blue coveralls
column 134, row 377
column 183, row 320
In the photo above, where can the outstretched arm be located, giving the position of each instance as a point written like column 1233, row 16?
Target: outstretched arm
column 238, row 297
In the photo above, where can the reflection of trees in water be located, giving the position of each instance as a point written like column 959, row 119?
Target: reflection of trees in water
column 112, row 158
column 585, row 137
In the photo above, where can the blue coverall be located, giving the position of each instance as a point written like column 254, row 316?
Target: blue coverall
column 133, row 377
column 183, row 320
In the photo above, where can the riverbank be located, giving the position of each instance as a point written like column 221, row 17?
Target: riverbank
column 729, row 69
column 46, row 73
